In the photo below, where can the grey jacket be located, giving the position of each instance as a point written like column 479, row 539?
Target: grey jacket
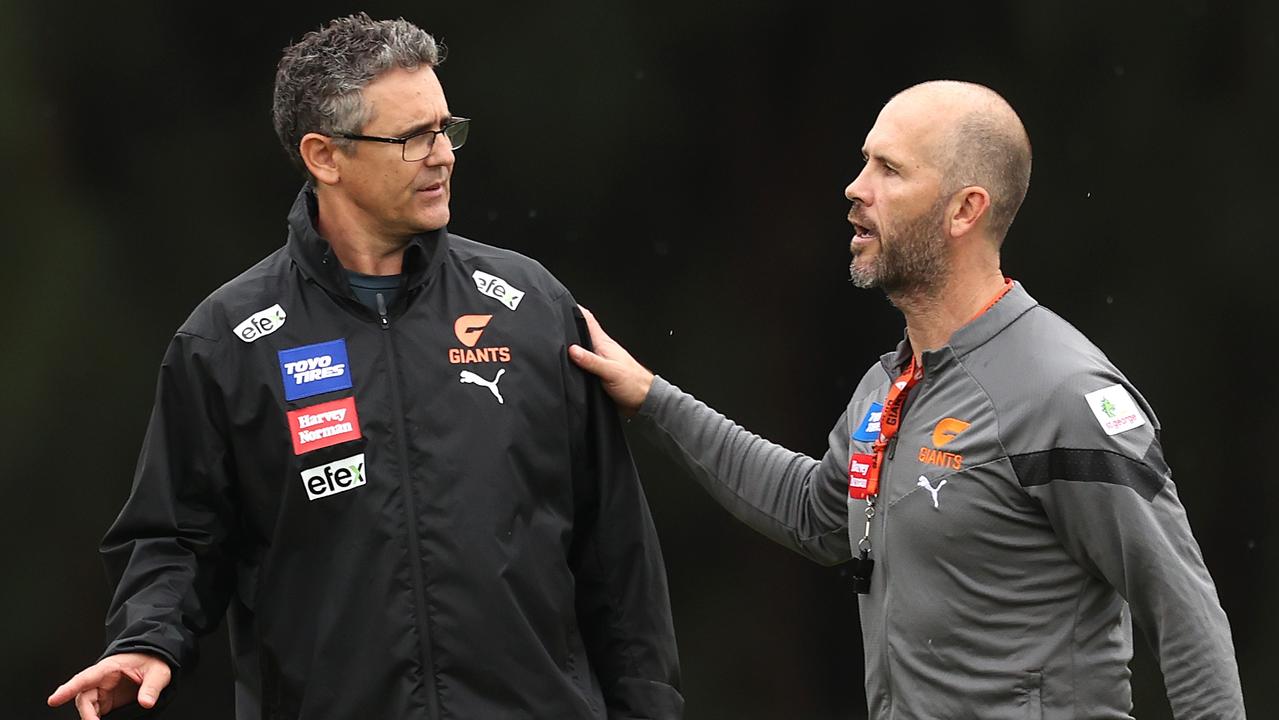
column 1025, row 516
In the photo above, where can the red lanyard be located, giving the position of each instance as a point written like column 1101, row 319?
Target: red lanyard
column 863, row 471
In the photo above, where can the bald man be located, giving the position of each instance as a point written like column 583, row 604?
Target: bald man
column 996, row 482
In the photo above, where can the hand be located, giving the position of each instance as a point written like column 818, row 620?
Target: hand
column 624, row 379
column 115, row 681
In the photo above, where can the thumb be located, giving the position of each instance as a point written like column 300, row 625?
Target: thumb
column 155, row 678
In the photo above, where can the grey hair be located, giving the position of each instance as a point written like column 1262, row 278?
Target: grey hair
column 320, row 79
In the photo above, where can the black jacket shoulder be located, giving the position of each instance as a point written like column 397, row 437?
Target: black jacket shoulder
column 250, row 292
column 520, row 270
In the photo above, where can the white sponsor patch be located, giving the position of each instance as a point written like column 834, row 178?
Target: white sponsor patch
column 498, row 289
column 336, row 477
column 261, row 324
column 1115, row 409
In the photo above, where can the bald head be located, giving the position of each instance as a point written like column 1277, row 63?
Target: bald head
column 974, row 138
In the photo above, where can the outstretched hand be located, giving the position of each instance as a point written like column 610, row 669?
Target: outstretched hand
column 113, row 682
column 623, row 378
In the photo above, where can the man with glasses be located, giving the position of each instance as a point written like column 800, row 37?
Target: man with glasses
column 370, row 452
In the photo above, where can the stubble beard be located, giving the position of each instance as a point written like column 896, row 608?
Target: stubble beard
column 911, row 260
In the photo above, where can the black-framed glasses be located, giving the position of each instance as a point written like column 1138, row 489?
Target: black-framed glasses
column 418, row 146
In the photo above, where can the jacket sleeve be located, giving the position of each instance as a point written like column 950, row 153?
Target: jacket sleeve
column 1112, row 503
column 165, row 555
column 623, row 607
column 789, row 497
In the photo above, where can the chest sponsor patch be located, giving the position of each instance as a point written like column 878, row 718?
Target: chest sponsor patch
column 868, row 430
column 261, row 323
column 336, row 477
column 319, row 426
column 314, row 369
column 1115, row 409
column 497, row 288
column 859, row 474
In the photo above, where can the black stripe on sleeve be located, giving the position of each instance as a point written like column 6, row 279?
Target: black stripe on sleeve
column 1041, row 468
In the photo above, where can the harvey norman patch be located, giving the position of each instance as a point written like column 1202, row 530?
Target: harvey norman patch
column 319, row 426
column 868, row 431
column 497, row 288
column 859, row 474
column 336, row 477
column 261, row 323
column 314, row 369
column 1115, row 409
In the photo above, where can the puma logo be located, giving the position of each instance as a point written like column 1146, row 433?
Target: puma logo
column 923, row 482
column 468, row 377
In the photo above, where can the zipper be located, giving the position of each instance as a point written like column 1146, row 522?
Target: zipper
column 884, row 569
column 419, row 586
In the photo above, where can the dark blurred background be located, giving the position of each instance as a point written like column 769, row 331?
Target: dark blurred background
column 680, row 166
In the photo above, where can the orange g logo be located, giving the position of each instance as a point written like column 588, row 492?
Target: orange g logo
column 948, row 429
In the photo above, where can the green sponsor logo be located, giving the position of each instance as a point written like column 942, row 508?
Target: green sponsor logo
column 1108, row 407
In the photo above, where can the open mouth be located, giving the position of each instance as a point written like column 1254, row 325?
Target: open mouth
column 864, row 232
column 861, row 231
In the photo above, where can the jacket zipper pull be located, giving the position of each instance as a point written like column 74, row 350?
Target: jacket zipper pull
column 381, row 311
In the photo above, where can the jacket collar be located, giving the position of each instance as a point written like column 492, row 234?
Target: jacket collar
column 969, row 337
column 315, row 257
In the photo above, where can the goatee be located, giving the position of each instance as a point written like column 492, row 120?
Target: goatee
column 910, row 260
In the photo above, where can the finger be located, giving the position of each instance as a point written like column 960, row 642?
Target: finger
column 86, row 703
column 156, row 679
column 81, row 681
column 587, row 360
column 597, row 331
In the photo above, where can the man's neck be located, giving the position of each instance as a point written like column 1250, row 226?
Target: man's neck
column 358, row 245
column 934, row 314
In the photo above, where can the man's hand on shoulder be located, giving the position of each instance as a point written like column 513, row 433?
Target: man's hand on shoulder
column 623, row 378
column 113, row 682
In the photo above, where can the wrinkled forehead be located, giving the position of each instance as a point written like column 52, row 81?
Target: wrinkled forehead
column 400, row 98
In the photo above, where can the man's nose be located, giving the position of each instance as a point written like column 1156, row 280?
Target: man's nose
column 441, row 152
column 858, row 190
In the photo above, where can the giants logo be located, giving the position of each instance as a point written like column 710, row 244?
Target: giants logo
column 320, row 426
column 468, row 329
column 944, row 432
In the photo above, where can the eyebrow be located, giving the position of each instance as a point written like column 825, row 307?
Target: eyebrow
column 881, row 158
column 425, row 126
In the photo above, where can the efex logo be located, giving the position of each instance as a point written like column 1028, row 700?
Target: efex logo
column 468, row 329
column 338, row 476
column 944, row 432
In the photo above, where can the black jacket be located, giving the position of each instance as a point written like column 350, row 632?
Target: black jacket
column 393, row 531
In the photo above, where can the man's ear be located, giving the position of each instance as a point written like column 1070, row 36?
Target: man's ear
column 320, row 155
column 968, row 210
